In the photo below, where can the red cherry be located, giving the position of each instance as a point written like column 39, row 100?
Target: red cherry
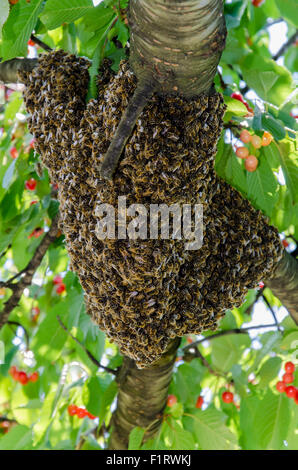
column 34, row 377
column 291, row 391
column 35, row 310
column 199, row 402
column 172, row 400
column 285, row 243
column 237, row 96
column 60, row 288
column 31, row 43
column 33, row 202
column 57, row 280
column 31, row 144
column 242, row 152
column 256, row 141
column 23, row 378
column 12, row 371
column 227, row 397
column 13, row 152
column 288, row 378
column 30, row 184
column 81, row 412
column 266, row 139
column 280, row 386
column 289, row 367
column 251, row 163
column 245, row 136
column 261, row 284
column 257, row 3
column 296, row 397
column 189, row 340
column 72, row 410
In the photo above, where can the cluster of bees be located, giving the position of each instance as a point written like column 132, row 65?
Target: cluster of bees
column 143, row 293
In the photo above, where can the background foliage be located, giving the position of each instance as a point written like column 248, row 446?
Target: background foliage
column 36, row 414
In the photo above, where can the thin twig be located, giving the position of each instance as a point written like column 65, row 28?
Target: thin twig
column 285, row 46
column 40, row 43
column 233, row 331
column 272, row 311
column 91, row 357
column 197, row 354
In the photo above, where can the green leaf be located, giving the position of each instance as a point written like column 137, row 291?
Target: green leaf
column 288, row 9
column 136, row 438
column 97, row 18
column 50, row 337
column 271, row 421
column 187, row 379
column 274, row 126
column 8, row 175
column 177, row 438
column 289, row 166
column 269, row 371
column 211, row 431
column 99, row 393
column 235, row 107
column 227, row 351
column 18, row 438
column 18, row 27
column 269, row 341
column 227, row 166
column 290, row 343
column 4, row 12
column 57, row 12
column 262, row 187
column 270, row 81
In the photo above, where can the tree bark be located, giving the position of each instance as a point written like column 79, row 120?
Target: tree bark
column 142, row 397
column 9, row 69
column 284, row 285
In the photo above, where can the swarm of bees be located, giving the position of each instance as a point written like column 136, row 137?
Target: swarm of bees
column 143, row 293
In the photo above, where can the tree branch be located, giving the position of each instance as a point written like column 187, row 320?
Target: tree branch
column 285, row 47
column 40, row 43
column 29, row 271
column 9, row 69
column 91, row 357
column 284, row 285
column 237, row 331
column 189, row 356
column 142, row 397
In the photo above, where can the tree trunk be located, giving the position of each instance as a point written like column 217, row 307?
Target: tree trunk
column 284, row 285
column 142, row 397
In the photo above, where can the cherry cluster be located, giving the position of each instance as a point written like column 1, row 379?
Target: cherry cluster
column 256, row 142
column 283, row 386
column 58, row 281
column 22, row 377
column 74, row 410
